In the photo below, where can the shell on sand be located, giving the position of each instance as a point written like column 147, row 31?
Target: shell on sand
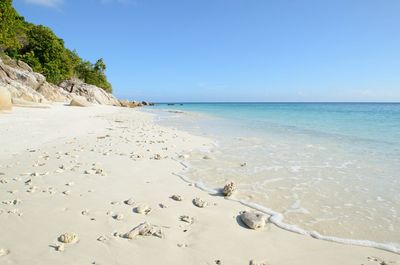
column 68, row 238
column 144, row 229
column 143, row 209
column 4, row 252
column 199, row 203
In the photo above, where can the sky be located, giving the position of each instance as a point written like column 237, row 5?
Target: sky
column 234, row 50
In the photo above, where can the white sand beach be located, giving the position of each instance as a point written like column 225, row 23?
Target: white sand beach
column 98, row 172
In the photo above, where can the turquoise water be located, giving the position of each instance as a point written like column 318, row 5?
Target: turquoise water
column 364, row 121
column 333, row 168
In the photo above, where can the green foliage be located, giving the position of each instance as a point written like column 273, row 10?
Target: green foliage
column 39, row 47
column 51, row 54
column 93, row 74
column 11, row 25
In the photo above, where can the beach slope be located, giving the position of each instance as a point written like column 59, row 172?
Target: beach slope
column 89, row 176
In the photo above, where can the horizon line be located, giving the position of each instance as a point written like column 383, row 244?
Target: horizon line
column 278, row 102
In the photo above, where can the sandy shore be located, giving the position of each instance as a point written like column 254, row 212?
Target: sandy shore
column 70, row 170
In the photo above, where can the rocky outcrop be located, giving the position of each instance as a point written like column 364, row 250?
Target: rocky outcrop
column 54, row 93
column 22, row 83
column 133, row 104
column 5, row 99
column 29, row 88
column 92, row 93
column 130, row 104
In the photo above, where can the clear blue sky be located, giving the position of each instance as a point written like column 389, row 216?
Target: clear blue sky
column 234, row 50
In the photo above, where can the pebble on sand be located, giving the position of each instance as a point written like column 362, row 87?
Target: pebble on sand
column 68, row 238
column 176, row 197
column 187, row 219
column 144, row 229
column 229, row 189
column 253, row 220
column 118, row 216
column 142, row 209
column 199, row 203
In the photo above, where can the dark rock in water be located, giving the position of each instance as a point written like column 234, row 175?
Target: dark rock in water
column 253, row 220
column 145, row 103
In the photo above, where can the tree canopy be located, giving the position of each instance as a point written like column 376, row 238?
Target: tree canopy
column 39, row 47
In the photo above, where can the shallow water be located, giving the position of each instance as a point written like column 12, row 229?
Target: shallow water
column 331, row 168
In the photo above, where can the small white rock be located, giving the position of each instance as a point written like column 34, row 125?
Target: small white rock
column 199, row 203
column 68, row 238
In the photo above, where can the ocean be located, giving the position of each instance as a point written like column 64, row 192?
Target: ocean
column 329, row 170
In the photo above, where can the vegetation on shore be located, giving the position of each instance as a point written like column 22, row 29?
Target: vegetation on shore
column 39, row 47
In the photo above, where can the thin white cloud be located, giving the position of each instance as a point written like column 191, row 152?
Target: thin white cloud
column 48, row 3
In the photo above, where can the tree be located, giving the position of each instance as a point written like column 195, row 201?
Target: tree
column 39, row 47
column 100, row 66
column 11, row 26
column 93, row 74
column 49, row 50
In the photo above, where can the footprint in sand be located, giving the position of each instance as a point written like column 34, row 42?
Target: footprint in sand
column 129, row 201
column 176, row 197
column 102, row 238
column 142, row 209
column 187, row 219
column 118, row 216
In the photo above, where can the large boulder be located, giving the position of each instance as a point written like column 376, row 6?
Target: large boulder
column 27, row 86
column 5, row 99
column 20, row 72
column 92, row 93
column 19, row 79
column 79, row 101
